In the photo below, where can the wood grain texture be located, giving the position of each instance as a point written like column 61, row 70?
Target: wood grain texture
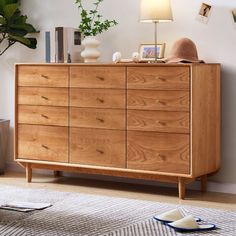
column 98, row 118
column 158, row 78
column 91, row 169
column 97, row 147
column 43, row 76
column 98, row 98
column 28, row 171
column 97, row 77
column 4, row 134
column 43, row 115
column 204, row 183
column 158, row 152
column 44, row 143
column 206, row 119
column 158, row 100
column 43, row 96
column 161, row 121
column 181, row 187
column 154, row 102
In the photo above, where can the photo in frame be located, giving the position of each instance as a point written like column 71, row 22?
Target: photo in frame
column 204, row 13
column 147, row 51
column 233, row 12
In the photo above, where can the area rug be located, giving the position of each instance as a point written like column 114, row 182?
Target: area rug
column 78, row 214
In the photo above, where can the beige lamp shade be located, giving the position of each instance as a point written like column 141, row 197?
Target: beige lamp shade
column 155, row 11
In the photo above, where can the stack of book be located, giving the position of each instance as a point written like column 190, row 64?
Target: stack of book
column 63, row 45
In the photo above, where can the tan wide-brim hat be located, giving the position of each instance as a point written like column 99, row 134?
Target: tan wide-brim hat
column 183, row 50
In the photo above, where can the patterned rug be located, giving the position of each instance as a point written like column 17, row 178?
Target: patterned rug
column 81, row 214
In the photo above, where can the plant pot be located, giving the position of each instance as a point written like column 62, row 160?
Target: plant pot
column 90, row 53
column 4, row 133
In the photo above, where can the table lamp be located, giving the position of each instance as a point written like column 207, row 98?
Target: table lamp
column 155, row 11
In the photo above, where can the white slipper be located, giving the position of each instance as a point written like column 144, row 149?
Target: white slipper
column 188, row 223
column 171, row 216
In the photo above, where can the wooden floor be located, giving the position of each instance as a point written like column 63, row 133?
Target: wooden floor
column 133, row 191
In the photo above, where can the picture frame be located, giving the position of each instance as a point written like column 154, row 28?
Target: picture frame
column 233, row 12
column 204, row 13
column 147, row 51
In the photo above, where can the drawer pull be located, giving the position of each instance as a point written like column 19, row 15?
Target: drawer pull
column 44, row 116
column 100, row 78
column 100, row 151
column 161, row 102
column 45, row 98
column 100, row 100
column 45, row 147
column 44, row 76
column 101, row 120
column 161, row 79
column 162, row 123
column 162, row 157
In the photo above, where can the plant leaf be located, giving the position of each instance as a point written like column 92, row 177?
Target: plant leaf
column 9, row 10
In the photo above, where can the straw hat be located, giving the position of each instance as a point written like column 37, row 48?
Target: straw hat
column 183, row 50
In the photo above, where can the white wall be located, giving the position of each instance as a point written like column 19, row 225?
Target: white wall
column 216, row 42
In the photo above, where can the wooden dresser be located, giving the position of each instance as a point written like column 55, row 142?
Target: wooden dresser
column 147, row 121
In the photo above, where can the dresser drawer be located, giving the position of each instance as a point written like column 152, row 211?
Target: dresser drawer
column 159, row 78
column 97, row 147
column 161, row 121
column 97, row 77
column 44, row 143
column 100, row 98
column 158, row 100
column 97, row 118
column 158, row 152
column 43, row 76
column 43, row 115
column 43, row 96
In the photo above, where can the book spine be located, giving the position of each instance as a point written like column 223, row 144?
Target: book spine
column 59, row 45
column 65, row 44
column 53, row 45
column 47, row 47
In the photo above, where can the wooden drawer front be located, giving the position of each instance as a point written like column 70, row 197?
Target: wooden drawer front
column 158, row 100
column 43, row 96
column 158, row 152
column 97, row 147
column 43, row 76
column 160, row 78
column 97, row 118
column 101, row 98
column 43, row 143
column 162, row 121
column 43, row 115
column 97, row 77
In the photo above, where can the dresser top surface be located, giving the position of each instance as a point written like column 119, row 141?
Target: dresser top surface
column 120, row 64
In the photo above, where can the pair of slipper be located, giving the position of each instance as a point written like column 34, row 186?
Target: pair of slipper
column 176, row 220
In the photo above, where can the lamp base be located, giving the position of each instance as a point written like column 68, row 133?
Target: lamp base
column 157, row 61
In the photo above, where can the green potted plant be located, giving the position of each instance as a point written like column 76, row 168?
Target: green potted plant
column 92, row 24
column 13, row 26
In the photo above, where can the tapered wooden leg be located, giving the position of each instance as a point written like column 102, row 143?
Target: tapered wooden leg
column 57, row 173
column 28, row 173
column 181, row 184
column 204, row 183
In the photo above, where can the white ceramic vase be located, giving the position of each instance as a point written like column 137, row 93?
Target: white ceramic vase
column 90, row 53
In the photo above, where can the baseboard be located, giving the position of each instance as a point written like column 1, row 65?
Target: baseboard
column 212, row 186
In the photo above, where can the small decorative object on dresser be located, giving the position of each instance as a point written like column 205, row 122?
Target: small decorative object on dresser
column 146, row 121
column 91, row 25
column 147, row 51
